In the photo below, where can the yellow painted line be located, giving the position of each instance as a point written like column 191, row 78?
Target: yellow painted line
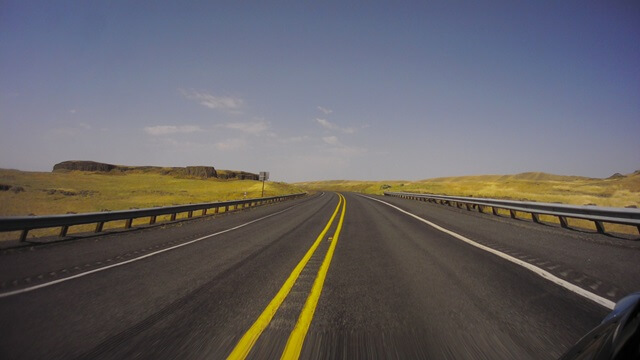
column 296, row 338
column 244, row 346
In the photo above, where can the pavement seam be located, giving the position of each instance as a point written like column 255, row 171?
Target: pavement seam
column 246, row 343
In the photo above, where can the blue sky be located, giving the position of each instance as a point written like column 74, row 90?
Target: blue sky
column 333, row 90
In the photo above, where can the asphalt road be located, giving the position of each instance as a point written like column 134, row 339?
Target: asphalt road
column 386, row 285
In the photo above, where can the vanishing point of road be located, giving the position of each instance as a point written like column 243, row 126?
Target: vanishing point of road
column 340, row 276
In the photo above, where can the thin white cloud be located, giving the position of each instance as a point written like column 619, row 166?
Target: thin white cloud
column 254, row 127
column 331, row 126
column 73, row 111
column 293, row 139
column 231, row 144
column 225, row 103
column 72, row 130
column 171, row 129
column 331, row 140
column 347, row 151
column 340, row 149
column 325, row 110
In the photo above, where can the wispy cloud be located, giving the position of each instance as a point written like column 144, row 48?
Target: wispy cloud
column 347, row 151
column 225, row 103
column 231, row 144
column 325, row 110
column 293, row 139
column 71, row 130
column 254, row 127
column 338, row 148
column 171, row 129
column 331, row 140
column 331, row 126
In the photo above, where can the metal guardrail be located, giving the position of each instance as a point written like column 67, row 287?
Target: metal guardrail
column 27, row 223
column 598, row 214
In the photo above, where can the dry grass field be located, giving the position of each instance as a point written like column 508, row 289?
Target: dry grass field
column 616, row 191
column 42, row 193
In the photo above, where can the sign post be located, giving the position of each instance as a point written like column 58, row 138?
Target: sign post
column 264, row 175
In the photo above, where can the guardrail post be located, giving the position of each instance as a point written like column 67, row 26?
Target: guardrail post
column 494, row 210
column 128, row 223
column 204, row 212
column 535, row 218
column 216, row 210
column 173, row 217
column 99, row 226
column 563, row 222
column 513, row 214
column 468, row 207
column 23, row 235
column 152, row 220
column 480, row 209
column 63, row 231
column 190, row 214
column 599, row 226
column 226, row 208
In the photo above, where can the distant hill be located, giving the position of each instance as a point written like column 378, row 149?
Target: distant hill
column 618, row 190
column 203, row 172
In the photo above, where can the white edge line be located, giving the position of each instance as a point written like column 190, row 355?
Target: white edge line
column 536, row 270
column 40, row 286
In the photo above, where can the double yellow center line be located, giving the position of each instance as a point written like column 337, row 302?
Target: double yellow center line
column 296, row 338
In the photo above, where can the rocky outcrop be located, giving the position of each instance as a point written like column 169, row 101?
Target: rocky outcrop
column 83, row 166
column 15, row 189
column 201, row 171
column 240, row 175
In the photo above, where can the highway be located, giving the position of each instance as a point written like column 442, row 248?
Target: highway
column 340, row 276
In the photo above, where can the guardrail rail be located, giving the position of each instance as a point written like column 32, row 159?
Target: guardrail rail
column 598, row 214
column 27, row 223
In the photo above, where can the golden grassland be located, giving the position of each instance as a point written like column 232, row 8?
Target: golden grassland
column 617, row 191
column 79, row 192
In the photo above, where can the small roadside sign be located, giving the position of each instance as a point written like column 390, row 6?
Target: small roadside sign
column 264, row 176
